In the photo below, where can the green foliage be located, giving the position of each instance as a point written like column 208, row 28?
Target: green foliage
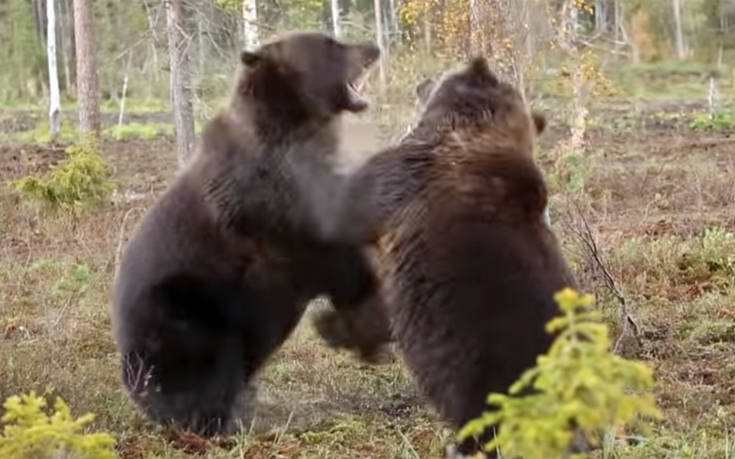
column 29, row 432
column 42, row 134
column 714, row 249
column 74, row 283
column 714, row 122
column 141, row 105
column 141, row 131
column 569, row 173
column 711, row 259
column 579, row 386
column 228, row 4
column 81, row 180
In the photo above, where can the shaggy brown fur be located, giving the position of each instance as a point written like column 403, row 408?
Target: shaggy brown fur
column 468, row 266
column 223, row 265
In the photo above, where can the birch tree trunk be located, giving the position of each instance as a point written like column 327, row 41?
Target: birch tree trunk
column 179, row 56
column 381, row 45
column 88, row 96
column 680, row 49
column 54, row 108
column 250, row 24
column 336, row 26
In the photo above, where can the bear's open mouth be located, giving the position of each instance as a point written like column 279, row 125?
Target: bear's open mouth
column 354, row 88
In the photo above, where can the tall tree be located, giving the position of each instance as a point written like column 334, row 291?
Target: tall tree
column 381, row 45
column 87, row 78
column 250, row 23
column 54, row 109
column 177, row 24
column 336, row 26
column 680, row 48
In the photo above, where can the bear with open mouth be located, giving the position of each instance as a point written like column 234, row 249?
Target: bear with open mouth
column 222, row 267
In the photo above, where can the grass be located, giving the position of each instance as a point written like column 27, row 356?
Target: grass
column 139, row 131
column 658, row 195
column 671, row 80
column 150, row 130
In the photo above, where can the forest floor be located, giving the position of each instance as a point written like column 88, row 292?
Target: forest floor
column 658, row 195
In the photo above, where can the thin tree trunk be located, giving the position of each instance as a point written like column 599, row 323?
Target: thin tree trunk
column 336, row 26
column 39, row 13
column 618, row 19
column 386, row 22
column 68, row 50
column 64, row 38
column 250, row 23
column 427, row 33
column 178, row 50
column 680, row 49
column 54, row 108
column 600, row 16
column 379, row 38
column 475, row 33
column 394, row 21
column 154, row 52
column 200, row 47
column 88, row 96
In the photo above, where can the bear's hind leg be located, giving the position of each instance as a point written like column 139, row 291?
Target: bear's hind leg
column 200, row 392
column 187, row 363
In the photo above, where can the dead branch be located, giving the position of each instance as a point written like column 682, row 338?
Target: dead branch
column 584, row 234
column 121, row 238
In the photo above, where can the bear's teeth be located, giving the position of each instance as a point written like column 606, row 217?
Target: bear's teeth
column 354, row 90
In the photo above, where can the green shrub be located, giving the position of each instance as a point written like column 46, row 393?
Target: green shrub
column 29, row 432
column 579, row 386
column 568, row 173
column 715, row 249
column 714, row 122
column 710, row 259
column 75, row 282
column 81, row 180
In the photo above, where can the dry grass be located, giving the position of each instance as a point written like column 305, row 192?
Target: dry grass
column 650, row 189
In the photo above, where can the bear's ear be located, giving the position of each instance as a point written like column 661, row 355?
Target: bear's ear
column 250, row 58
column 539, row 122
column 480, row 68
column 423, row 90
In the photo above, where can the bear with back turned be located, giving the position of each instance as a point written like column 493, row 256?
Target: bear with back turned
column 467, row 264
column 222, row 267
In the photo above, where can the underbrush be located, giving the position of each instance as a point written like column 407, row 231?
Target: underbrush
column 580, row 389
column 82, row 180
column 30, row 432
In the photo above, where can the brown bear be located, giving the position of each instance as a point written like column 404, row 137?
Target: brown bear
column 222, row 267
column 467, row 264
